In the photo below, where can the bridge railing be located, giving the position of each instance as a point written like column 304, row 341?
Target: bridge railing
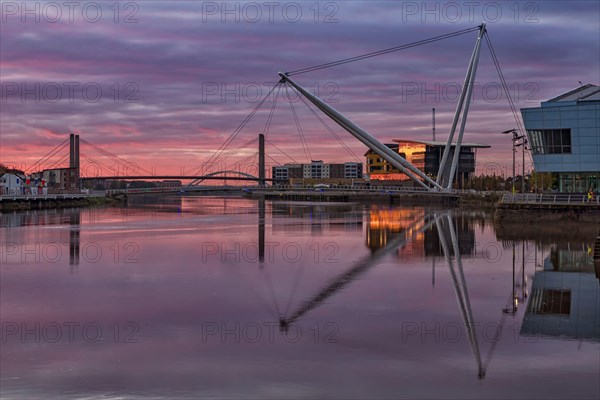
column 351, row 188
column 557, row 198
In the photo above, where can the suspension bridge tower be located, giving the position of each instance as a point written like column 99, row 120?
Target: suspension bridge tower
column 74, row 164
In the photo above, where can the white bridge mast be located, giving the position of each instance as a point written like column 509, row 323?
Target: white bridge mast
column 466, row 93
column 388, row 154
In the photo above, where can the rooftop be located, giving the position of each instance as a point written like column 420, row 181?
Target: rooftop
column 587, row 92
column 441, row 143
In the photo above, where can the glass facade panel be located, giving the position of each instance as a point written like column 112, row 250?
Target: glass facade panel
column 550, row 141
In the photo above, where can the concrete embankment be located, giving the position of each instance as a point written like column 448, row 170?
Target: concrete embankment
column 534, row 213
column 344, row 196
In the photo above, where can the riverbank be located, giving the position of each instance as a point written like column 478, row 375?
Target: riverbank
column 534, row 213
column 348, row 196
column 46, row 202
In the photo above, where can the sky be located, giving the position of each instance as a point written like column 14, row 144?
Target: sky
column 163, row 85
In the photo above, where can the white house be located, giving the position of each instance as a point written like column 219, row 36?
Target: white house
column 11, row 183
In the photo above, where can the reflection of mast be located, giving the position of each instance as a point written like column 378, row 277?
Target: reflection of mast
column 460, row 289
column 261, row 229
column 74, row 239
column 360, row 267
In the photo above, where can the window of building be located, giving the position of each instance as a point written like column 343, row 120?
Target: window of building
column 550, row 141
column 556, row 302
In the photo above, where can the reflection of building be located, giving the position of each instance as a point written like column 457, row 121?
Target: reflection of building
column 465, row 234
column 385, row 223
column 426, row 155
column 565, row 297
column 315, row 217
column 564, row 135
column 16, row 242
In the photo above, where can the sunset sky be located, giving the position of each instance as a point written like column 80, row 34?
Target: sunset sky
column 163, row 84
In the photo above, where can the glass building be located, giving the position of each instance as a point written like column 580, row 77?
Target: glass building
column 564, row 136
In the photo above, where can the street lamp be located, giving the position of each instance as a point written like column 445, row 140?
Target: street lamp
column 524, row 144
column 514, row 145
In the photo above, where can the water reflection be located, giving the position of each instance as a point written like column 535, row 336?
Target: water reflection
column 341, row 281
column 15, row 240
column 395, row 267
column 316, row 218
column 565, row 301
column 385, row 222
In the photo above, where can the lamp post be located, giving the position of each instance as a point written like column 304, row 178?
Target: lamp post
column 514, row 145
column 524, row 144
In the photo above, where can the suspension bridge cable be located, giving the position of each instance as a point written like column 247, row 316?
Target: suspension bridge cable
column 53, row 150
column 504, row 84
column 198, row 169
column 381, row 52
column 339, row 139
column 506, row 89
column 281, row 151
column 94, row 162
column 299, row 128
column 59, row 162
column 51, row 153
column 272, row 159
column 113, row 157
column 232, row 152
column 214, row 157
column 270, row 117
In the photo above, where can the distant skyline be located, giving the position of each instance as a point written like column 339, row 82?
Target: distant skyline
column 163, row 84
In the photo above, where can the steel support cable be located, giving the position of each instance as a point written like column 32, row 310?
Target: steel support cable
column 91, row 161
column 59, row 161
column 281, row 151
column 51, row 153
column 506, row 89
column 381, row 52
column 104, row 153
column 234, row 134
column 94, row 162
column 233, row 152
column 339, row 139
column 272, row 159
column 299, row 128
column 113, row 157
column 504, row 84
column 250, row 158
column 270, row 117
column 229, row 154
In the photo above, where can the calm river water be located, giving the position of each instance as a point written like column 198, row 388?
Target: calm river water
column 204, row 297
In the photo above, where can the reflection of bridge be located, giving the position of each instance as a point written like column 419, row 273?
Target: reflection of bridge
column 444, row 224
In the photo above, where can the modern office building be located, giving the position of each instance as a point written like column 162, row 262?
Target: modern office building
column 318, row 170
column 425, row 155
column 379, row 169
column 564, row 136
column 315, row 170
